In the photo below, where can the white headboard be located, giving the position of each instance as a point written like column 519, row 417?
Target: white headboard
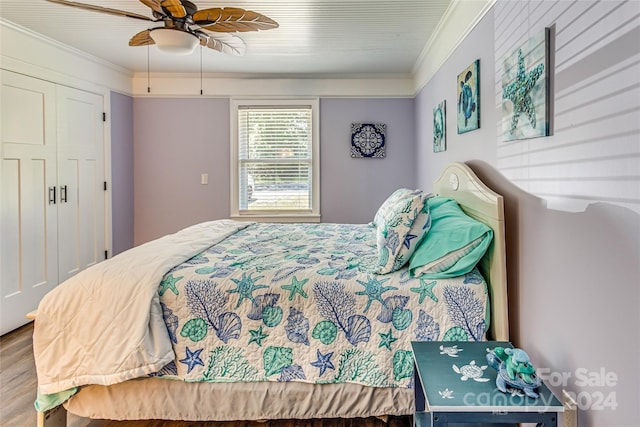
column 478, row 201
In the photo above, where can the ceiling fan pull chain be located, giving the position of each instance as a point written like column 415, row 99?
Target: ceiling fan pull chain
column 148, row 79
column 201, row 93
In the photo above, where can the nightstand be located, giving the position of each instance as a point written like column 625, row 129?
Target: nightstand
column 453, row 383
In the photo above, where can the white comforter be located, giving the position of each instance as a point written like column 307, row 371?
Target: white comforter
column 104, row 325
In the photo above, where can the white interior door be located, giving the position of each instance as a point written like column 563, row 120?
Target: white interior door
column 28, row 196
column 81, row 211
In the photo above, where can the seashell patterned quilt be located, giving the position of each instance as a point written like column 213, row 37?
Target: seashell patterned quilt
column 295, row 302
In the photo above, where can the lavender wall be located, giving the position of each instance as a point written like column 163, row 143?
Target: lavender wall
column 470, row 145
column 596, row 86
column 121, row 172
column 354, row 188
column 573, row 278
column 175, row 141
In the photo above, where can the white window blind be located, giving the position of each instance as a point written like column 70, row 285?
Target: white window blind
column 275, row 158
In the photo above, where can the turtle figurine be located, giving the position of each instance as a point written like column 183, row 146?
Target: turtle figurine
column 515, row 370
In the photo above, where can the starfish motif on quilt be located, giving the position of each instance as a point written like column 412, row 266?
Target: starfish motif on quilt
column 425, row 289
column 246, row 286
column 192, row 359
column 169, row 282
column 387, row 339
column 408, row 238
column 296, row 288
column 373, row 290
column 323, row 362
column 519, row 92
column 257, row 336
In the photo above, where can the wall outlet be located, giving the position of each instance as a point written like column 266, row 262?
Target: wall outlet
column 570, row 414
column 204, row 179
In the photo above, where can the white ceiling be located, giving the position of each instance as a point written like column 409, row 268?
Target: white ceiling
column 315, row 37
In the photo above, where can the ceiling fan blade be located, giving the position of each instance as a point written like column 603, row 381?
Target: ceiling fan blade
column 143, row 38
column 223, row 42
column 102, row 9
column 175, row 8
column 232, row 19
column 154, row 5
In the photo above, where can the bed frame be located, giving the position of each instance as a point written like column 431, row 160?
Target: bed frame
column 458, row 182
column 478, row 201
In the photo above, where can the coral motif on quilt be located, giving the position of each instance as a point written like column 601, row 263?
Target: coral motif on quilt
column 295, row 302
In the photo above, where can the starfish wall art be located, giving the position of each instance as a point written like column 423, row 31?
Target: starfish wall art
column 525, row 90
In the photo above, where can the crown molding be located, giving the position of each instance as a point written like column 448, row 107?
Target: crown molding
column 458, row 21
column 166, row 85
column 27, row 52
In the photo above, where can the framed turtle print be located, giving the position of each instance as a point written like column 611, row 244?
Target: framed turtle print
column 469, row 98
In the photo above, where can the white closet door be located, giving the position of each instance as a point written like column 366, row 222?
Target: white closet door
column 81, row 211
column 28, row 241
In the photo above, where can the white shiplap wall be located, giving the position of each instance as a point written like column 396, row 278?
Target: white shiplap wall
column 593, row 154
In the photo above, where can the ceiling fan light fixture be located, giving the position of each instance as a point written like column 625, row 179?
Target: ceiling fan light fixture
column 173, row 41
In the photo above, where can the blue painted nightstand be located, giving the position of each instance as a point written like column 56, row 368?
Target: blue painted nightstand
column 454, row 384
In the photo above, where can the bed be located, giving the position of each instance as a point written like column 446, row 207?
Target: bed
column 265, row 321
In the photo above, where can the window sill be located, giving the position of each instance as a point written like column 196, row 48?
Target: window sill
column 262, row 217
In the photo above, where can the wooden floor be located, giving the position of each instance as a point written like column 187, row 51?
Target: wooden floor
column 18, row 392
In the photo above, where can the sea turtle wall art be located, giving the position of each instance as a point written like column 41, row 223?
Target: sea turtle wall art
column 469, row 98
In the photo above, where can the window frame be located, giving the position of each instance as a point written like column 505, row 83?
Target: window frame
column 275, row 215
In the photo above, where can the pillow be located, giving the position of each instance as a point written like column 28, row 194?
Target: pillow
column 401, row 223
column 390, row 203
column 455, row 243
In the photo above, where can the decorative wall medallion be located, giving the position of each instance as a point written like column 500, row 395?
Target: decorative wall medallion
column 469, row 98
column 525, row 90
column 439, row 128
column 368, row 139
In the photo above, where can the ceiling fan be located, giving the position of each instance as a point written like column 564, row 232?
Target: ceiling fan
column 185, row 26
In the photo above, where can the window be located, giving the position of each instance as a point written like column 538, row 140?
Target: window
column 275, row 160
